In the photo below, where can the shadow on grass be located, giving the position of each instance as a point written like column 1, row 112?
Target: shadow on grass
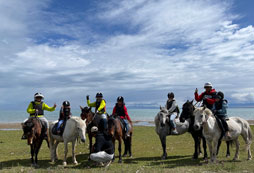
column 83, row 158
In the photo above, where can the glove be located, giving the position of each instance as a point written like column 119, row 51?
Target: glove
column 97, row 112
column 87, row 97
column 205, row 97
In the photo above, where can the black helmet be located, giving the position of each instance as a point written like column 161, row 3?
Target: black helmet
column 120, row 99
column 99, row 95
column 66, row 103
column 219, row 95
column 171, row 95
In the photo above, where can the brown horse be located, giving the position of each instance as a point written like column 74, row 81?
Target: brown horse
column 33, row 130
column 87, row 114
column 116, row 130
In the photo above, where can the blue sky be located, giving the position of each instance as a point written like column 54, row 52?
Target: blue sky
column 139, row 49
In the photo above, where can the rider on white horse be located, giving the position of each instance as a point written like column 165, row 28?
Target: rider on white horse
column 220, row 111
column 100, row 108
column 173, row 111
column 207, row 97
column 64, row 115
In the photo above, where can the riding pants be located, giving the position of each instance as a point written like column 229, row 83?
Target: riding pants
column 224, row 122
column 172, row 118
column 60, row 122
column 126, row 124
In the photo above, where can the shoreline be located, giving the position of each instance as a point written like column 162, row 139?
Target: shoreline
column 17, row 126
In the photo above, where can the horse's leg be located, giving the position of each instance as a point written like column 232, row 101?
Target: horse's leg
column 125, row 147
column 65, row 153
column 120, row 149
column 163, row 144
column 113, row 141
column 237, row 144
column 56, row 150
column 196, row 141
column 204, row 147
column 218, row 147
column 228, row 149
column 73, row 152
column 52, row 149
column 215, row 145
column 32, row 153
column 210, row 149
column 130, row 141
column 37, row 149
column 90, row 144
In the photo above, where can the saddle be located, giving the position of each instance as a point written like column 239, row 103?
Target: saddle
column 61, row 128
column 29, row 124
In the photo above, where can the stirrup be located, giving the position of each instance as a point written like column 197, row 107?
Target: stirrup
column 23, row 137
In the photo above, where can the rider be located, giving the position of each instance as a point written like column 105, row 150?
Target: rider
column 64, row 115
column 207, row 96
column 36, row 109
column 173, row 111
column 121, row 111
column 100, row 108
column 103, row 150
column 220, row 110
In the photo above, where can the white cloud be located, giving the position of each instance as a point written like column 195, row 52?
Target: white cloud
column 161, row 46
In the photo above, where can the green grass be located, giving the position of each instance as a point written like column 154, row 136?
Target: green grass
column 15, row 156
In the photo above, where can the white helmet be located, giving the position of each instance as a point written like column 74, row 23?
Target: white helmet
column 208, row 84
column 94, row 129
column 38, row 95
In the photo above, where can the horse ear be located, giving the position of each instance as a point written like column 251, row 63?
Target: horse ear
column 81, row 107
column 191, row 102
column 160, row 107
column 90, row 109
column 85, row 120
column 204, row 107
column 188, row 101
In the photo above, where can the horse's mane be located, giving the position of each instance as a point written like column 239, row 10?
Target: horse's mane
column 207, row 111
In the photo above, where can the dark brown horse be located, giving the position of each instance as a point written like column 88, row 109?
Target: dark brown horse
column 87, row 114
column 34, row 131
column 116, row 130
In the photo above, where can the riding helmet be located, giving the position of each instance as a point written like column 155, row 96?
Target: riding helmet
column 171, row 95
column 99, row 95
column 219, row 95
column 208, row 85
column 36, row 95
column 120, row 99
column 66, row 103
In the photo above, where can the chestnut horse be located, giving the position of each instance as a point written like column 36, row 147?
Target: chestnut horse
column 116, row 130
column 33, row 130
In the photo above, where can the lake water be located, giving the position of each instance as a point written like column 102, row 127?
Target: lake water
column 135, row 114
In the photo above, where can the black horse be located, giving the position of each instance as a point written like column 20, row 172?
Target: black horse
column 187, row 112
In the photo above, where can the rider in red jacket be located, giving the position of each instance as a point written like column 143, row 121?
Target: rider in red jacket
column 208, row 97
column 121, row 111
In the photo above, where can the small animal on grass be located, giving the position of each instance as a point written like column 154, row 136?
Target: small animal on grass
column 212, row 132
column 75, row 127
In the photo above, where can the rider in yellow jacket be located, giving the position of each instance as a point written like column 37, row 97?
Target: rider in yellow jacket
column 100, row 108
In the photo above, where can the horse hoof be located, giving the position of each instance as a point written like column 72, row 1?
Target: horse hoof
column 130, row 156
column 119, row 161
column 75, row 163
column 249, row 158
column 164, row 157
column 124, row 155
column 35, row 165
column 64, row 163
column 228, row 155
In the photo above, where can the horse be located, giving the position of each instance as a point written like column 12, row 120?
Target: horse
column 212, row 132
column 116, row 130
column 162, row 128
column 34, row 131
column 187, row 113
column 74, row 127
column 87, row 114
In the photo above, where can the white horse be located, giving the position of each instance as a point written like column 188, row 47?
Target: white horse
column 74, row 127
column 162, row 128
column 212, row 132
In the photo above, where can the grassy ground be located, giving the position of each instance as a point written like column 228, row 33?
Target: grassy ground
column 14, row 156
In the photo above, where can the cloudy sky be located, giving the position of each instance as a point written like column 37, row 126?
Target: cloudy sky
column 140, row 49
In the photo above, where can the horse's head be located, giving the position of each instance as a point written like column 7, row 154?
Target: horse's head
column 187, row 111
column 163, row 116
column 87, row 114
column 81, row 127
column 29, row 130
column 201, row 115
column 111, row 126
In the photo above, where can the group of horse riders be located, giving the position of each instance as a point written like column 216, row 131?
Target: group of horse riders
column 103, row 140
column 211, row 99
